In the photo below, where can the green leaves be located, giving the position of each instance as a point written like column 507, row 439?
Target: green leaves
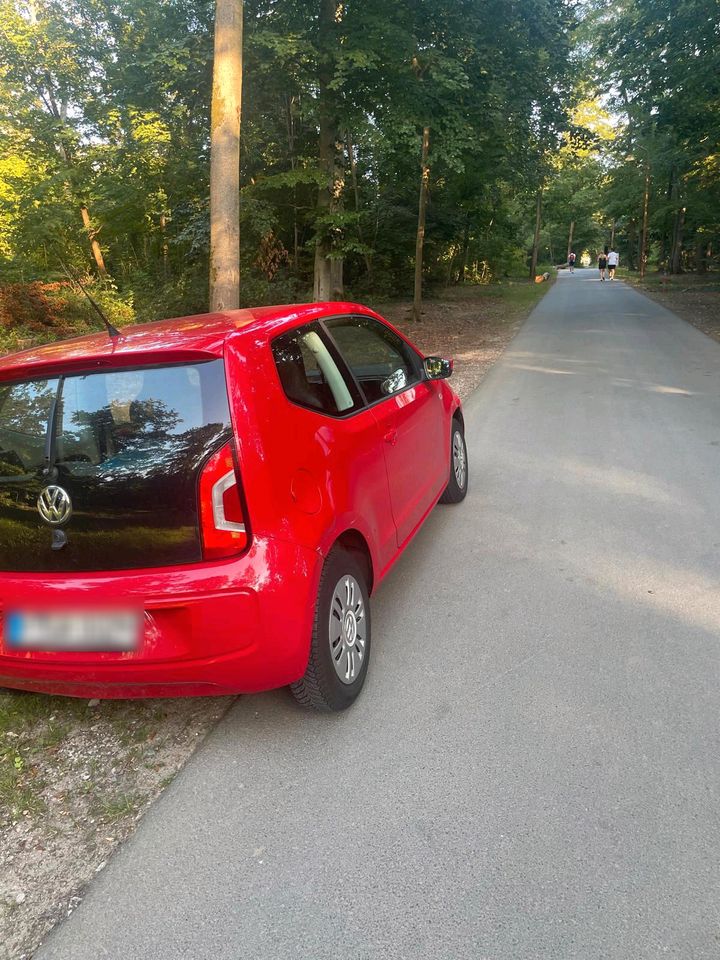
column 108, row 104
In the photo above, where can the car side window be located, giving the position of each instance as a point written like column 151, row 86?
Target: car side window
column 310, row 375
column 381, row 362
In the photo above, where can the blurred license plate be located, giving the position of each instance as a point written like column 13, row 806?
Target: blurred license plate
column 93, row 631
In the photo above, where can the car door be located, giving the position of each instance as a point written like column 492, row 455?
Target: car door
column 324, row 440
column 408, row 410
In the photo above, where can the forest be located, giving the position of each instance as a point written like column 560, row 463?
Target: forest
column 383, row 144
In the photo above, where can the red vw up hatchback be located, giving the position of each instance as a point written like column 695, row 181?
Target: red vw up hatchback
column 204, row 505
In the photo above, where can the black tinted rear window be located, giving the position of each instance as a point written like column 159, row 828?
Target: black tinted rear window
column 127, row 446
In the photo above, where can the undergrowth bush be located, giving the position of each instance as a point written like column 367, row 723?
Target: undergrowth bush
column 35, row 313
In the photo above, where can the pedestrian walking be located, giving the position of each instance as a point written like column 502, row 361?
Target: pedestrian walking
column 613, row 260
column 602, row 263
column 571, row 261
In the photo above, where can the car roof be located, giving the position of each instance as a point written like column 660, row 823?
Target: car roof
column 177, row 340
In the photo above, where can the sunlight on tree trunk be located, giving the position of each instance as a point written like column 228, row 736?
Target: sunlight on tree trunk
column 422, row 208
column 94, row 245
column 570, row 239
column 225, row 157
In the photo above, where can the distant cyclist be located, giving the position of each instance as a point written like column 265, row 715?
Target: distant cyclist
column 612, row 261
column 602, row 263
column 571, row 261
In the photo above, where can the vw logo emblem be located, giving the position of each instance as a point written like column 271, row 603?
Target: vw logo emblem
column 54, row 505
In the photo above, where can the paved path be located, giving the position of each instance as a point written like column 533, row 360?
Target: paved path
column 532, row 772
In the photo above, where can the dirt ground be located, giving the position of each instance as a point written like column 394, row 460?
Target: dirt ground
column 473, row 332
column 77, row 775
column 695, row 299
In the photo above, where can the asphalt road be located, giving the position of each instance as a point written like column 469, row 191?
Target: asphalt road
column 532, row 770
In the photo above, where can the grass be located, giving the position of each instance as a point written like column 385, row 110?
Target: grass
column 111, row 809
column 517, row 292
column 29, row 725
column 20, row 792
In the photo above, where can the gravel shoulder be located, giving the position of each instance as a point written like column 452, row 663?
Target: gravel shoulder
column 76, row 775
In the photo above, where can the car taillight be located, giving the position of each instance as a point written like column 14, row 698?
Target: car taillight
column 222, row 520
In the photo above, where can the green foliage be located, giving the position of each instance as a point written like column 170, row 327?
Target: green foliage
column 106, row 105
column 659, row 61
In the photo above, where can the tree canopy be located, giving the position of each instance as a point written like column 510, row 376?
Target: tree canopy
column 577, row 109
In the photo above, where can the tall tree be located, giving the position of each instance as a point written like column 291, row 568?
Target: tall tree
column 225, row 156
column 664, row 57
column 422, row 208
column 327, row 281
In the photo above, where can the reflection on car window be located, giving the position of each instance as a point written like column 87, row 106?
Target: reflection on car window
column 121, row 419
column 309, row 374
column 381, row 362
column 24, row 412
column 108, row 421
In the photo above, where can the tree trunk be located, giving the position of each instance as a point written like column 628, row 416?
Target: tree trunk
column 570, row 240
column 643, row 237
column 356, row 192
column 290, row 117
column 422, row 208
column 671, row 195
column 677, row 246
column 60, row 114
column 612, row 236
column 631, row 241
column 327, row 279
column 225, row 156
column 164, row 245
column 465, row 249
column 702, row 252
column 536, row 236
column 94, row 245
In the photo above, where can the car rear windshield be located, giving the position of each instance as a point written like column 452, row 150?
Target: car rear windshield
column 126, row 445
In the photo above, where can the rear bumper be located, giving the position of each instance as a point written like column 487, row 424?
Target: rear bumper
column 236, row 626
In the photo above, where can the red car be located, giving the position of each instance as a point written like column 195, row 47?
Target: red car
column 204, row 505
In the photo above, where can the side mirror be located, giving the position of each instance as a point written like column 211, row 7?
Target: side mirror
column 436, row 368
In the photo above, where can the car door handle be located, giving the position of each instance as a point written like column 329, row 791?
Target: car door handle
column 391, row 437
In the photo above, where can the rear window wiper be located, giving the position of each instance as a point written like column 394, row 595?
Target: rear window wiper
column 51, row 436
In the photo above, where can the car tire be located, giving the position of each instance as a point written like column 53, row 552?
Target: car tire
column 457, row 486
column 340, row 643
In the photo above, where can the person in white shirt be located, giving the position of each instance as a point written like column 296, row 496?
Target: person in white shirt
column 612, row 262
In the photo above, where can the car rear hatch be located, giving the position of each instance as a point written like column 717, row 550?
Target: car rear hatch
column 102, row 470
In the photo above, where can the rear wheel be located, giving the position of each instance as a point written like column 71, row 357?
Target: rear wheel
column 340, row 645
column 458, row 481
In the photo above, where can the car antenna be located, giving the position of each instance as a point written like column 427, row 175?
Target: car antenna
column 112, row 331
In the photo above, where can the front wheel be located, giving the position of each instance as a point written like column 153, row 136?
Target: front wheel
column 340, row 644
column 457, row 486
